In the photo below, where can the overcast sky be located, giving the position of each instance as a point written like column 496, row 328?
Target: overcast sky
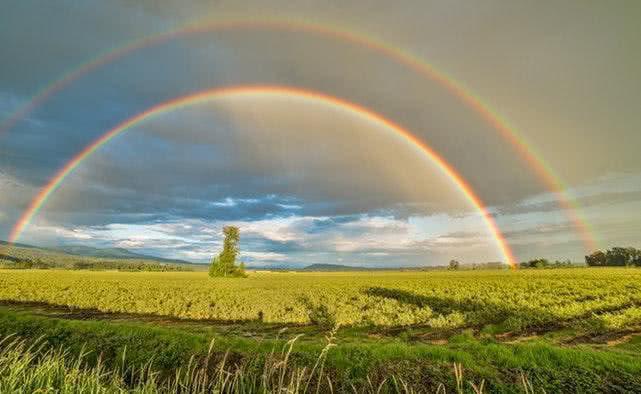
column 305, row 181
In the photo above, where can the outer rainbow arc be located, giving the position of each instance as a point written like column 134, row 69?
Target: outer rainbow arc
column 543, row 171
column 202, row 96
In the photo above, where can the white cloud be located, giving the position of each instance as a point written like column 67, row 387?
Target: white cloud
column 263, row 256
column 59, row 232
column 373, row 236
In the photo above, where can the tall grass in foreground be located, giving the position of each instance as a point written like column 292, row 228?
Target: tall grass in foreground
column 33, row 367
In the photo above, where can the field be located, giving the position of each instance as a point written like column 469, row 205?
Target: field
column 555, row 329
column 596, row 299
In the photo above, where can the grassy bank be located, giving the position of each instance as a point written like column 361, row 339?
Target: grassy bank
column 422, row 366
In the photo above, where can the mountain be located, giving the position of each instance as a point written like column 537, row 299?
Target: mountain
column 338, row 267
column 308, row 268
column 72, row 254
column 335, row 267
column 113, row 253
column 18, row 245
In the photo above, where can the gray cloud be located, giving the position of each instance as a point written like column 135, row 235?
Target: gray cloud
column 309, row 163
column 584, row 202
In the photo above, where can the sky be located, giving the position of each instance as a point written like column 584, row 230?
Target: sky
column 312, row 182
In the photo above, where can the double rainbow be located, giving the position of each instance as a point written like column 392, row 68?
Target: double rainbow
column 525, row 150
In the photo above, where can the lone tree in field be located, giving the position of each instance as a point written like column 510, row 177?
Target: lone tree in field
column 225, row 263
column 454, row 265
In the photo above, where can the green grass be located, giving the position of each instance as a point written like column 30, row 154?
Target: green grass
column 547, row 366
column 550, row 328
column 36, row 367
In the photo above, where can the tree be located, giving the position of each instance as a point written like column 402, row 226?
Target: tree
column 637, row 260
column 454, row 265
column 634, row 256
column 225, row 263
column 596, row 259
column 563, row 264
column 617, row 256
column 538, row 263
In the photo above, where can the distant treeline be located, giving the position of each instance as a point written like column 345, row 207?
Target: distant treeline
column 615, row 257
column 129, row 266
column 11, row 263
column 545, row 263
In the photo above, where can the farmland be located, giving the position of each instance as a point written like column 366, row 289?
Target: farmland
column 596, row 299
column 549, row 327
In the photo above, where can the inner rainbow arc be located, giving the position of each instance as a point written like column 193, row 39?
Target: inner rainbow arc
column 525, row 150
column 202, row 96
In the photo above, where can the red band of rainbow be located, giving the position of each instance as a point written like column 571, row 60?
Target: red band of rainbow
column 38, row 202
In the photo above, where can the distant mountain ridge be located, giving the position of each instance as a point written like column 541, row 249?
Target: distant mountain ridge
column 105, row 253
column 322, row 267
column 338, row 267
column 112, row 253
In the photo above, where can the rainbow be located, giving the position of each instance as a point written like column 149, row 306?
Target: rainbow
column 524, row 149
column 244, row 91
